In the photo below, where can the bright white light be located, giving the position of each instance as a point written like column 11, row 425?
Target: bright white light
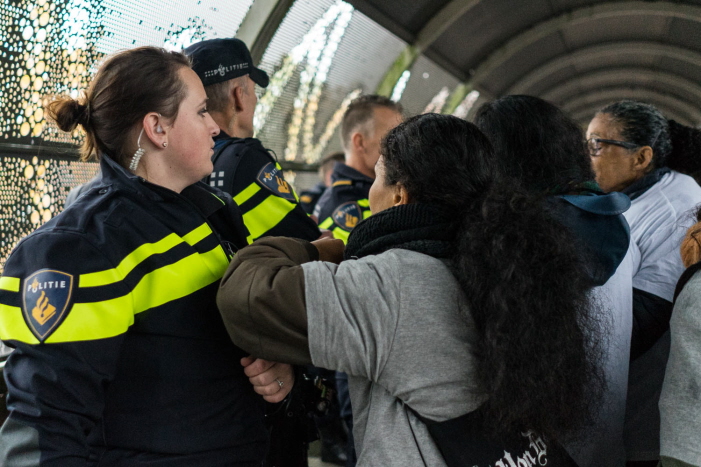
column 400, row 86
column 464, row 108
column 438, row 101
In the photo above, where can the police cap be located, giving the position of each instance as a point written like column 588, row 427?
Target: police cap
column 217, row 60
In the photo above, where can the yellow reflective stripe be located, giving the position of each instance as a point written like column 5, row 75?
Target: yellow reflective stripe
column 11, row 284
column 266, row 215
column 96, row 320
column 342, row 183
column 247, row 193
column 326, row 224
column 340, row 234
column 364, row 203
column 197, row 235
column 109, row 318
column 180, row 279
column 220, row 200
column 13, row 327
column 133, row 259
column 367, row 214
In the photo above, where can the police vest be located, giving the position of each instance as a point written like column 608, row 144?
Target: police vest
column 270, row 206
column 121, row 352
column 345, row 203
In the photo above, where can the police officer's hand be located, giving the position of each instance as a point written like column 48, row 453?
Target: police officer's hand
column 271, row 380
column 330, row 249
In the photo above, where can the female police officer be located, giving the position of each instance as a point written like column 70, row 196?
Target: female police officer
column 121, row 357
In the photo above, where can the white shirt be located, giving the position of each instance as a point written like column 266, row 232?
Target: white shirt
column 658, row 220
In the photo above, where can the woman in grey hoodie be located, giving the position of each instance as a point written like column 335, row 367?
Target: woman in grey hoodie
column 459, row 299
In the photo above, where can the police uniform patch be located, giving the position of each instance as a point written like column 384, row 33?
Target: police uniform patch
column 272, row 179
column 347, row 215
column 45, row 299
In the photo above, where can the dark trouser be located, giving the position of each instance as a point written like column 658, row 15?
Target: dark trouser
column 346, row 415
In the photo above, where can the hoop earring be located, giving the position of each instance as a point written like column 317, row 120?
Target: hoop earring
column 138, row 154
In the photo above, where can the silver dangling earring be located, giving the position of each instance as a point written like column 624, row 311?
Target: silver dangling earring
column 137, row 155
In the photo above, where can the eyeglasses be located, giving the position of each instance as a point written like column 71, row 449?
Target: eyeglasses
column 594, row 144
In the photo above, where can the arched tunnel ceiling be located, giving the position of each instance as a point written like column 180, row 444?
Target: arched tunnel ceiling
column 576, row 53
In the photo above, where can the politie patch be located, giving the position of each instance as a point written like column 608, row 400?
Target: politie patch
column 347, row 215
column 272, row 179
column 45, row 300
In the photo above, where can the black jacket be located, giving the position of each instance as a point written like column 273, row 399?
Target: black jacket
column 248, row 172
column 121, row 355
column 345, row 202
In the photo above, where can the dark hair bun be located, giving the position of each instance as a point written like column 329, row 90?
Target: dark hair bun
column 686, row 149
column 68, row 113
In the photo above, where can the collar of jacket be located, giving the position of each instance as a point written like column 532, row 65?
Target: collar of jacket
column 223, row 136
column 117, row 178
column 638, row 187
column 598, row 225
column 344, row 172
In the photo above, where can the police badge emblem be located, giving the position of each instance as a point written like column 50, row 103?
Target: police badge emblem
column 45, row 299
column 272, row 179
column 347, row 215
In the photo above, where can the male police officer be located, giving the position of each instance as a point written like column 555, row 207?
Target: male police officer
column 366, row 121
column 247, row 171
column 242, row 166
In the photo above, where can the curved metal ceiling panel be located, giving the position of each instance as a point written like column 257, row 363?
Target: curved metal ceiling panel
column 626, row 77
column 584, row 115
column 690, row 115
column 560, row 48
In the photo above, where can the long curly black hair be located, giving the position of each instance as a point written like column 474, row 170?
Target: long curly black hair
column 537, row 143
column 520, row 272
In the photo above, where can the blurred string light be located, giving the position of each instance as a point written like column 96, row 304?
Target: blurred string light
column 316, row 51
column 313, row 152
column 438, row 101
column 466, row 105
column 319, row 78
column 400, row 86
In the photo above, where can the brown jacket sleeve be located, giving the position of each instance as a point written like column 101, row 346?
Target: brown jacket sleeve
column 261, row 299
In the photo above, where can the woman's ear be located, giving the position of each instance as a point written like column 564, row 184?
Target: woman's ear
column 643, row 159
column 401, row 195
column 155, row 130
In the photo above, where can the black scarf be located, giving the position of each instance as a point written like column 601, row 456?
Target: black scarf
column 638, row 187
column 424, row 228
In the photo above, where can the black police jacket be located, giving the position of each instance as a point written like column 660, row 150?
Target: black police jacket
column 121, row 355
column 270, row 206
column 345, row 203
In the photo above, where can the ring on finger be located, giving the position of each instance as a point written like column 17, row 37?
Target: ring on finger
column 280, row 383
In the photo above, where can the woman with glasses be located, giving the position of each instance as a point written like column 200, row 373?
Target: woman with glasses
column 635, row 150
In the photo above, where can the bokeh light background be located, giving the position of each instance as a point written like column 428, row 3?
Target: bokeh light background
column 323, row 55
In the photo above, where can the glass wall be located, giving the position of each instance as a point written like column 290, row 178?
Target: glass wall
column 323, row 55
